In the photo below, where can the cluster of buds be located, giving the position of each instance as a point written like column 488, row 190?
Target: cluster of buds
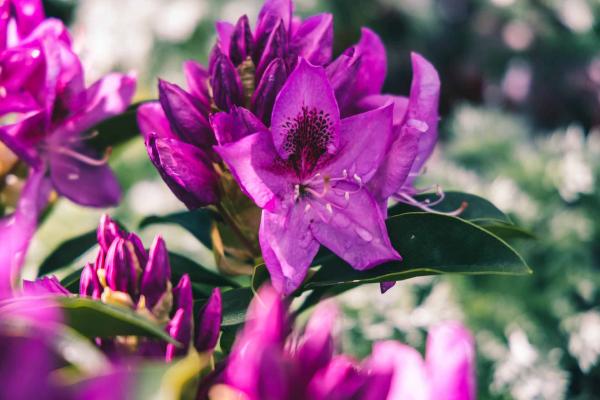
column 125, row 274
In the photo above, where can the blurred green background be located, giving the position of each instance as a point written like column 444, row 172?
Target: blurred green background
column 520, row 126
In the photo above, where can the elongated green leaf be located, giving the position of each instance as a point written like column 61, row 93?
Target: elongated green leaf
column 506, row 231
column 476, row 207
column 181, row 265
column 197, row 222
column 430, row 244
column 235, row 304
column 67, row 252
column 93, row 318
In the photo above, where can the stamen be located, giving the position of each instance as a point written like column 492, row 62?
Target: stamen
column 358, row 179
column 405, row 198
column 83, row 138
column 82, row 157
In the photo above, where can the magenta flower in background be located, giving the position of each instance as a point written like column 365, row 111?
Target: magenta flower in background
column 310, row 174
column 49, row 112
column 269, row 360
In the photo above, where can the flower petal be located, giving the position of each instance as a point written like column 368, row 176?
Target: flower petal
column 307, row 90
column 316, row 346
column 313, row 40
column 106, row 98
column 82, row 182
column 47, row 285
column 288, row 246
column 252, row 162
column 373, row 64
column 17, row 229
column 22, row 137
column 422, row 111
column 409, row 379
column 394, row 171
column 29, row 14
column 355, row 229
column 272, row 11
column 185, row 169
column 151, row 119
column 235, row 125
column 364, row 141
column 275, row 47
column 196, row 77
column 185, row 114
column 208, row 324
column 450, row 359
column 225, row 83
column 340, row 379
column 157, row 273
column 270, row 84
column 242, row 41
column 224, row 31
column 379, row 100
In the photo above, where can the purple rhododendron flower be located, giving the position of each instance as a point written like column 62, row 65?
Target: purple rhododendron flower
column 271, row 361
column 43, row 94
column 246, row 69
column 310, row 174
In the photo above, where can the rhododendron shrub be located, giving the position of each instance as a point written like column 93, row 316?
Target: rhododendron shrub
column 299, row 174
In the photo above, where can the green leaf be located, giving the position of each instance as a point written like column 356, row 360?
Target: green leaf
column 116, row 130
column 430, row 244
column 197, row 222
column 477, row 208
column 506, row 231
column 235, row 304
column 67, row 252
column 181, row 265
column 93, row 318
column 71, row 281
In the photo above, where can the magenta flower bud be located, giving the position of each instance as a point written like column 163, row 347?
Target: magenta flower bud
column 108, row 230
column 225, row 83
column 186, row 114
column 270, row 84
column 208, row 324
column 242, row 42
column 157, row 273
column 340, row 379
column 180, row 326
column 234, row 125
column 89, row 284
column 44, row 286
column 180, row 329
column 186, row 169
column 122, row 265
column 196, row 77
column 276, row 47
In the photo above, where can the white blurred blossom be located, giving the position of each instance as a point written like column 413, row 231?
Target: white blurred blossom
column 584, row 338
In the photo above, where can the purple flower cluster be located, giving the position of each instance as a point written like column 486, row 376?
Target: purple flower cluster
column 310, row 139
column 48, row 112
column 271, row 361
column 125, row 274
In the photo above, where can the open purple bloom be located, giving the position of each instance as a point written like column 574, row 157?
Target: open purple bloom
column 246, row 69
column 42, row 87
column 310, row 175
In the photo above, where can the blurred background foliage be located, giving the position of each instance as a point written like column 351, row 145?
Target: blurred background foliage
column 520, row 126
